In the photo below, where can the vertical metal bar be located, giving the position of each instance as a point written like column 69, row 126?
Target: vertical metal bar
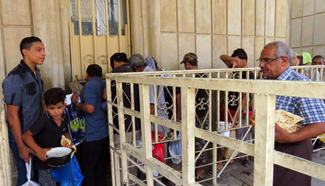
column 133, row 117
column 119, row 92
column 264, row 140
column 226, row 106
column 94, row 28
column 174, row 109
column 119, row 24
column 107, row 36
column 226, row 110
column 71, row 30
column 128, row 33
column 110, row 128
column 155, row 96
column 146, row 129
column 321, row 74
column 210, row 109
column 240, row 102
column 80, row 39
column 188, row 135
column 214, row 165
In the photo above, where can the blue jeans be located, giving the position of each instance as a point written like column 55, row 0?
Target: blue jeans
column 20, row 163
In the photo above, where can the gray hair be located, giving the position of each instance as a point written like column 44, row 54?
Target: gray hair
column 138, row 60
column 282, row 49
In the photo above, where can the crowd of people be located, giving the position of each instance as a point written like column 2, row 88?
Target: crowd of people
column 35, row 128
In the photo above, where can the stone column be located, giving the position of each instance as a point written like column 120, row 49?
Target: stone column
column 51, row 24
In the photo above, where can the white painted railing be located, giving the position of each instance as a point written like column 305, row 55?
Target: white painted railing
column 218, row 84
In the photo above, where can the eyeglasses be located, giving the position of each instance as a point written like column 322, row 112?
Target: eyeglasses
column 268, row 60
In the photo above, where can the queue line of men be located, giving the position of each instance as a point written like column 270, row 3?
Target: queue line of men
column 23, row 89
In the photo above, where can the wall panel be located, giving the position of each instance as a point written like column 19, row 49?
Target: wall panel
column 219, row 16
column 269, row 17
column 219, row 48
column 12, row 38
column 186, row 44
column 186, row 19
column 260, row 17
column 203, row 51
column 248, row 44
column 248, row 15
column 168, row 12
column 234, row 17
column 203, row 16
column 168, row 50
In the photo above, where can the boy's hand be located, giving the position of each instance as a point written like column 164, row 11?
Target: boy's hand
column 41, row 154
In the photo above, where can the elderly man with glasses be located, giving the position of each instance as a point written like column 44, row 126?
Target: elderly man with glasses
column 275, row 61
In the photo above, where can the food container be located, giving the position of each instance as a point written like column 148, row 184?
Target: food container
column 58, row 156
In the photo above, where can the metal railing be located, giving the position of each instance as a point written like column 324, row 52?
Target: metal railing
column 254, row 98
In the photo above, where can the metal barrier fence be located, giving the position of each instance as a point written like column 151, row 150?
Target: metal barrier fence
column 196, row 116
column 216, row 84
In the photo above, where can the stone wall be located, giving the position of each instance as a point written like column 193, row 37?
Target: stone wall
column 307, row 26
column 207, row 27
column 47, row 20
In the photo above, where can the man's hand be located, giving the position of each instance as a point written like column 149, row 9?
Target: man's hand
column 281, row 135
column 24, row 152
column 74, row 98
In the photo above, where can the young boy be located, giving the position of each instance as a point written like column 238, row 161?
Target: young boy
column 47, row 131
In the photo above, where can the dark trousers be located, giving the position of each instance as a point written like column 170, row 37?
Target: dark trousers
column 94, row 159
column 286, row 177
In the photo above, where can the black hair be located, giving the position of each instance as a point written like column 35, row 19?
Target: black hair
column 240, row 53
column 54, row 96
column 119, row 57
column 318, row 57
column 27, row 42
column 94, row 70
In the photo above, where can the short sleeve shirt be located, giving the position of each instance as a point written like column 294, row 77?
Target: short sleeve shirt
column 312, row 110
column 233, row 97
column 96, row 123
column 22, row 89
column 47, row 134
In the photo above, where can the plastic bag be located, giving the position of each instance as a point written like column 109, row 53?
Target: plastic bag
column 29, row 172
column 77, row 124
column 68, row 175
column 158, row 150
column 175, row 150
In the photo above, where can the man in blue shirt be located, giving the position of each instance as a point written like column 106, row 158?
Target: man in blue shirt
column 94, row 151
column 22, row 90
column 275, row 64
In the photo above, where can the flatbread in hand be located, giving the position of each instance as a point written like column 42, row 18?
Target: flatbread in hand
column 287, row 120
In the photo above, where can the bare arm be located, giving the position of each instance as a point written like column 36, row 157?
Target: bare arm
column 15, row 126
column 307, row 132
column 152, row 109
column 89, row 109
column 29, row 140
column 104, row 94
